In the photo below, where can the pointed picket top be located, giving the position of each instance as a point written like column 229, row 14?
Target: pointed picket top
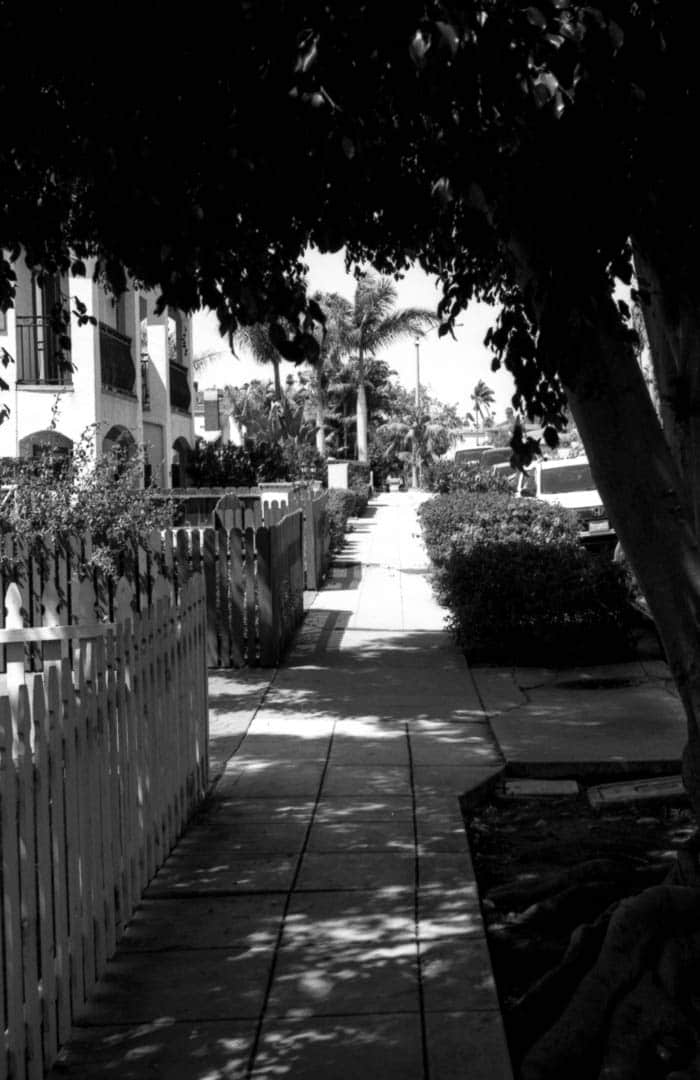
column 14, row 620
column 86, row 602
column 51, row 604
column 123, row 600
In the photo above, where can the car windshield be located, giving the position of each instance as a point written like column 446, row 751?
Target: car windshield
column 567, row 478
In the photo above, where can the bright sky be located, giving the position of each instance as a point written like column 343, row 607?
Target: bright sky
column 449, row 368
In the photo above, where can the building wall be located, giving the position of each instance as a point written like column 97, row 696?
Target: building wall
column 83, row 403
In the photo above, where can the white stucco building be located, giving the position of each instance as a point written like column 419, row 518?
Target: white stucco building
column 131, row 377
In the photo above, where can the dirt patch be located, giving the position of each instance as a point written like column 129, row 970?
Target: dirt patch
column 552, row 868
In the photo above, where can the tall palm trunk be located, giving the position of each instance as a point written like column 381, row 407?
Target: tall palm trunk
column 278, row 384
column 361, row 410
column 320, row 433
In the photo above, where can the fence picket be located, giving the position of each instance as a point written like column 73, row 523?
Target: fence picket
column 59, row 866
column 250, row 605
column 9, row 830
column 71, row 742
column 236, row 593
column 27, row 878
column 47, row 943
column 265, row 568
column 210, row 581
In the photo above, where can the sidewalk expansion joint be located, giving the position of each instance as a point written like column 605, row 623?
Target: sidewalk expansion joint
column 285, row 912
column 416, row 912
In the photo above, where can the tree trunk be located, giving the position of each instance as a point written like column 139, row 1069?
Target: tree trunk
column 643, row 492
column 320, row 431
column 361, row 411
column 673, row 328
column 278, row 384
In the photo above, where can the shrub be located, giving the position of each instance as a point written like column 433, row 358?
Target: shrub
column 237, row 466
column 467, row 516
column 303, row 462
column 442, row 477
column 358, row 474
column 59, row 497
column 343, row 504
column 517, row 582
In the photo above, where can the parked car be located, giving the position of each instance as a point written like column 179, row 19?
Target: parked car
column 471, row 458
column 568, row 482
column 496, row 456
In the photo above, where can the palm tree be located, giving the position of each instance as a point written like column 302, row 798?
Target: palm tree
column 483, row 398
column 256, row 339
column 335, row 344
column 370, row 324
column 422, row 433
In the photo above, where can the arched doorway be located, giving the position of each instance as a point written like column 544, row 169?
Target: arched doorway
column 120, row 442
column 41, row 442
column 179, row 471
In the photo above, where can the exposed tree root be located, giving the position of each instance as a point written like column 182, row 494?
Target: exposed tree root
column 586, row 1037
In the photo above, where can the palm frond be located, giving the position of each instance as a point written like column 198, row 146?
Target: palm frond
column 397, row 326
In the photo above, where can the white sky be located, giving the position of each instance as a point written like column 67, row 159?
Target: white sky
column 449, row 368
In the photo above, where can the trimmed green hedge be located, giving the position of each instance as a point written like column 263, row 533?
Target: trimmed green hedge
column 519, row 585
column 343, row 504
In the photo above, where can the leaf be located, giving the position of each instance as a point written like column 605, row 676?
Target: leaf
column 551, row 437
column 305, row 60
column 418, row 48
column 449, row 36
column 617, row 34
column 442, row 190
column 536, row 18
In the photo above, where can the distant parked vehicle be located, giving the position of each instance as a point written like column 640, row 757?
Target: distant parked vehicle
column 569, row 482
column 495, row 456
column 471, row 459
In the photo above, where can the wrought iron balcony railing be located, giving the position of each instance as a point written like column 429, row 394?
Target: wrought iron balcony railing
column 117, row 363
column 39, row 356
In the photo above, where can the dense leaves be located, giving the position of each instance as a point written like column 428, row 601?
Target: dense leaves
column 55, row 498
column 518, row 584
column 236, row 466
column 463, row 133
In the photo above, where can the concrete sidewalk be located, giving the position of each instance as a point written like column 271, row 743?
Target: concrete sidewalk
column 320, row 918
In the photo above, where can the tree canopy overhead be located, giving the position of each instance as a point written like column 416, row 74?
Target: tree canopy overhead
column 455, row 134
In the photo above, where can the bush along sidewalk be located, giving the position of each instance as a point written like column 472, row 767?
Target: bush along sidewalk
column 519, row 586
column 344, row 504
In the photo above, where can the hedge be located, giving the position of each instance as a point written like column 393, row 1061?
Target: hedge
column 518, row 584
column 343, row 504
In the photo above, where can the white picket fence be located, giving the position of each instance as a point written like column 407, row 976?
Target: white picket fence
column 103, row 757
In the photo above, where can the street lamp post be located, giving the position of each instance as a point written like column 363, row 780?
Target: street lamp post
column 415, row 465
column 417, row 372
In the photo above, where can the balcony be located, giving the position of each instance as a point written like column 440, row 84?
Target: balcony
column 39, row 357
column 180, row 395
column 117, row 364
column 145, row 383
